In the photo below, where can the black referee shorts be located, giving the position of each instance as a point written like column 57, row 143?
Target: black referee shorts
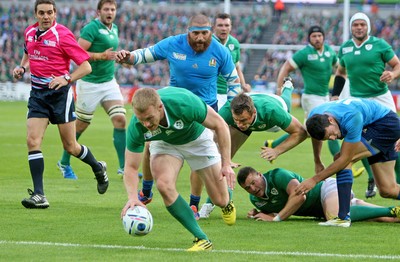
column 56, row 105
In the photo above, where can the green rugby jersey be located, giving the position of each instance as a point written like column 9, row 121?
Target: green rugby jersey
column 276, row 198
column 365, row 64
column 102, row 38
column 184, row 112
column 234, row 48
column 316, row 68
column 270, row 113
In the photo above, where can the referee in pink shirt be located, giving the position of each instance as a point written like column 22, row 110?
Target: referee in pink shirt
column 48, row 49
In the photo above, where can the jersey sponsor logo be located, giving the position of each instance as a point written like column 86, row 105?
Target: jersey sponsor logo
column 312, row 57
column 252, row 128
column 179, row 56
column 49, row 43
column 179, row 124
column 274, row 191
column 212, row 62
column 149, row 134
column 347, row 50
column 260, row 203
column 368, row 47
column 327, row 54
column 103, row 31
column 37, row 56
column 168, row 132
column 231, row 47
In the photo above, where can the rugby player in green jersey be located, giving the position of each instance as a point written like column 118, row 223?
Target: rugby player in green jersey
column 262, row 112
column 259, row 112
column 316, row 62
column 275, row 200
column 221, row 32
column 363, row 61
column 179, row 125
column 100, row 39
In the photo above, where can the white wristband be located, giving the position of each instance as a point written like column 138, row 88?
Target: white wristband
column 277, row 218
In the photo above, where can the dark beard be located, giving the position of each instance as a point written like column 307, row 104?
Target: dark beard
column 200, row 48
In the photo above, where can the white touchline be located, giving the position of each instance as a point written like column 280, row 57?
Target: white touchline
column 245, row 252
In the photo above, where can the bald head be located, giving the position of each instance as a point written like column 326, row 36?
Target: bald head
column 199, row 19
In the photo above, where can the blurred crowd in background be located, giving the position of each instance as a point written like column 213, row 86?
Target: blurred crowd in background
column 142, row 27
column 292, row 30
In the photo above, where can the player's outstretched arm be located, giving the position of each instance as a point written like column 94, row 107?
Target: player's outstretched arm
column 131, row 179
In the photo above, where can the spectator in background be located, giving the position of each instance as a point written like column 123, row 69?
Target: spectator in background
column 145, row 25
column 259, row 85
column 279, row 8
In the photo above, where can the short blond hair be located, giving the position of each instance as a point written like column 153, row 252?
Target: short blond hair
column 144, row 98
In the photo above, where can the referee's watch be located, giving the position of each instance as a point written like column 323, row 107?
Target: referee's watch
column 67, row 78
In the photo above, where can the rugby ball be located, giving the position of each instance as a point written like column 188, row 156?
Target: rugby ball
column 138, row 221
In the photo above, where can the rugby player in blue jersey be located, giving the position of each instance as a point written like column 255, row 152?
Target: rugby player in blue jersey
column 369, row 130
column 196, row 60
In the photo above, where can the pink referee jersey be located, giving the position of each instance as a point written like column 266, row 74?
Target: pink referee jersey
column 50, row 53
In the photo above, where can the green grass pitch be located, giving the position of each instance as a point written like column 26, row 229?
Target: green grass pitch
column 82, row 225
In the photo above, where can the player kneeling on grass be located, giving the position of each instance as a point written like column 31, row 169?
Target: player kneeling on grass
column 273, row 194
column 178, row 124
column 369, row 130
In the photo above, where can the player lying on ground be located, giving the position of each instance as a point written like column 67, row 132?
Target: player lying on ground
column 273, row 195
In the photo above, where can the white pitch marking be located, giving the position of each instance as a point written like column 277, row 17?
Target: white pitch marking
column 245, row 252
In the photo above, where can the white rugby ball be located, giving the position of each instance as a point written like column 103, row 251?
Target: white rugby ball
column 138, row 221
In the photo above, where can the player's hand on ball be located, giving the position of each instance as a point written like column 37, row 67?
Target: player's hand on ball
column 131, row 204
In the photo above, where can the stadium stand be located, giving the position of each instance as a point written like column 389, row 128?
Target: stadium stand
column 292, row 30
column 139, row 27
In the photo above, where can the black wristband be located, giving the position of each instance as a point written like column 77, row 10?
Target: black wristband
column 23, row 67
column 338, row 85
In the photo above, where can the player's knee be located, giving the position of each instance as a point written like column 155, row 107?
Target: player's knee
column 119, row 121
column 70, row 148
column 167, row 190
column 388, row 192
column 220, row 201
column 33, row 143
column 84, row 117
column 117, row 111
